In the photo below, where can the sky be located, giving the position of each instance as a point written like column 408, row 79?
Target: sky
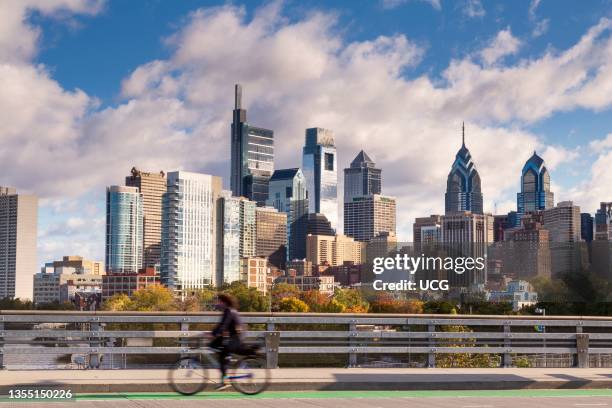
column 91, row 88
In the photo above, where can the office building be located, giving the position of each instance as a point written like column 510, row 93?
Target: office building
column 271, row 235
column 152, row 187
column 334, row 250
column 463, row 192
column 124, row 229
column 288, row 194
column 586, row 227
column 535, row 192
column 603, row 222
column 319, row 164
column 235, row 235
column 252, row 155
column 362, row 178
column 563, row 224
column 299, row 267
column 59, row 281
column 529, row 250
column 381, row 246
column 189, row 239
column 318, row 224
column 18, row 233
column 427, row 230
column 367, row 216
column 128, row 283
column 325, row 284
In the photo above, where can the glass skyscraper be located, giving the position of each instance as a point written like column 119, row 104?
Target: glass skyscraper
column 189, row 223
column 319, row 165
column 362, row 178
column 252, row 161
column 235, row 235
column 463, row 191
column 535, row 192
column 288, row 194
column 124, row 229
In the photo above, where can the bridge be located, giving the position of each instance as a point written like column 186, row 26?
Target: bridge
column 318, row 359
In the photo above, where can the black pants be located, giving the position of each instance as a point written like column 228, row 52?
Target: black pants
column 225, row 347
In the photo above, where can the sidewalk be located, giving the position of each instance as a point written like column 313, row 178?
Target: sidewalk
column 311, row 379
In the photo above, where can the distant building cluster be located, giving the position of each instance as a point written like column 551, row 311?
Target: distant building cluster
column 183, row 230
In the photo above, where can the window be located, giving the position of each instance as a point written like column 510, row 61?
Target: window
column 289, row 192
column 329, row 161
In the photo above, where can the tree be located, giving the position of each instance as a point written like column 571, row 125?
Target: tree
column 385, row 303
column 117, row 303
column 249, row 299
column 15, row 304
column 352, row 300
column 292, row 305
column 439, row 307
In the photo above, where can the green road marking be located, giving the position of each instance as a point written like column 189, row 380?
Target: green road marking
column 355, row 394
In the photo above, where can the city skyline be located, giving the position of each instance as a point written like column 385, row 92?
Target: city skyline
column 399, row 92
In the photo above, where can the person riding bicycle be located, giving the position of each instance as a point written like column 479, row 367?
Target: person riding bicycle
column 227, row 335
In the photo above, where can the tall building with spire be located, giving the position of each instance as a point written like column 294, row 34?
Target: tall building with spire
column 319, row 164
column 362, row 177
column 252, row 156
column 463, row 192
column 535, row 192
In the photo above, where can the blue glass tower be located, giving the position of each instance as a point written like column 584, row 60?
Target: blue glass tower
column 535, row 192
column 463, row 191
column 124, row 229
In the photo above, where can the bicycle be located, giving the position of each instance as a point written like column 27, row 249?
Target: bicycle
column 247, row 373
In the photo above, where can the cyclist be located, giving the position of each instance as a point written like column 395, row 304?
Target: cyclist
column 227, row 335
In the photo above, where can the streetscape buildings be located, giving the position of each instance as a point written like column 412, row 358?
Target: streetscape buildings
column 189, row 256
column 252, row 160
column 319, row 164
column 18, row 232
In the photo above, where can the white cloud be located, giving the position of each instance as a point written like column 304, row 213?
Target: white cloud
column 502, row 45
column 474, row 9
column 391, row 4
column 296, row 74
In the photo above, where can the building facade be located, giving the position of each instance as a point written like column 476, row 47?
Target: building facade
column 128, row 283
column 334, row 250
column 319, row 165
column 18, row 237
column 368, row 216
column 603, row 222
column 427, row 230
column 535, row 192
column 362, row 178
column 563, row 224
column 189, row 239
column 288, row 194
column 252, row 160
column 463, row 190
column 152, row 187
column 255, row 273
column 124, row 229
column 271, row 235
column 586, row 227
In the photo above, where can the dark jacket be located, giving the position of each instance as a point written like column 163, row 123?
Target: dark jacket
column 230, row 325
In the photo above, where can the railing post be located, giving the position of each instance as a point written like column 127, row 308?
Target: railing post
column 507, row 345
column 352, row 344
column 94, row 356
column 272, row 339
column 2, row 344
column 582, row 349
column 431, row 357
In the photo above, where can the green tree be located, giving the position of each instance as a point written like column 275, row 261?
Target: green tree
column 292, row 305
column 352, row 300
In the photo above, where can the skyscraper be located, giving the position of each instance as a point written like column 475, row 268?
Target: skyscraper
column 189, row 240
column 563, row 224
column 362, row 177
column 427, row 230
column 319, row 164
column 288, row 194
column 235, row 235
column 463, row 191
column 586, row 227
column 271, row 235
column 124, row 229
column 535, row 192
column 152, row 187
column 367, row 216
column 18, row 232
column 603, row 222
column 252, row 161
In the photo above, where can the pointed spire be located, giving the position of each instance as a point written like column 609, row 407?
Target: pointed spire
column 463, row 134
column 238, row 96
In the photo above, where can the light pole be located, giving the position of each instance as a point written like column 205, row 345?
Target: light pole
column 542, row 311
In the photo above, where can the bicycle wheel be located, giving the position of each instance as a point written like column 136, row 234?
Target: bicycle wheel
column 250, row 376
column 188, row 376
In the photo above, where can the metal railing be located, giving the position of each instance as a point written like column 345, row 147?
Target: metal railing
column 351, row 335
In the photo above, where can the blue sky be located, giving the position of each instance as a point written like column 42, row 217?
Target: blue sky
column 99, row 86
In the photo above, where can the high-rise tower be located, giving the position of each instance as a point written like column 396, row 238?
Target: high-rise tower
column 319, row 164
column 362, row 178
column 535, row 192
column 252, row 161
column 463, row 191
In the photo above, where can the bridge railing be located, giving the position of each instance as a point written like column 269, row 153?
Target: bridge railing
column 99, row 333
